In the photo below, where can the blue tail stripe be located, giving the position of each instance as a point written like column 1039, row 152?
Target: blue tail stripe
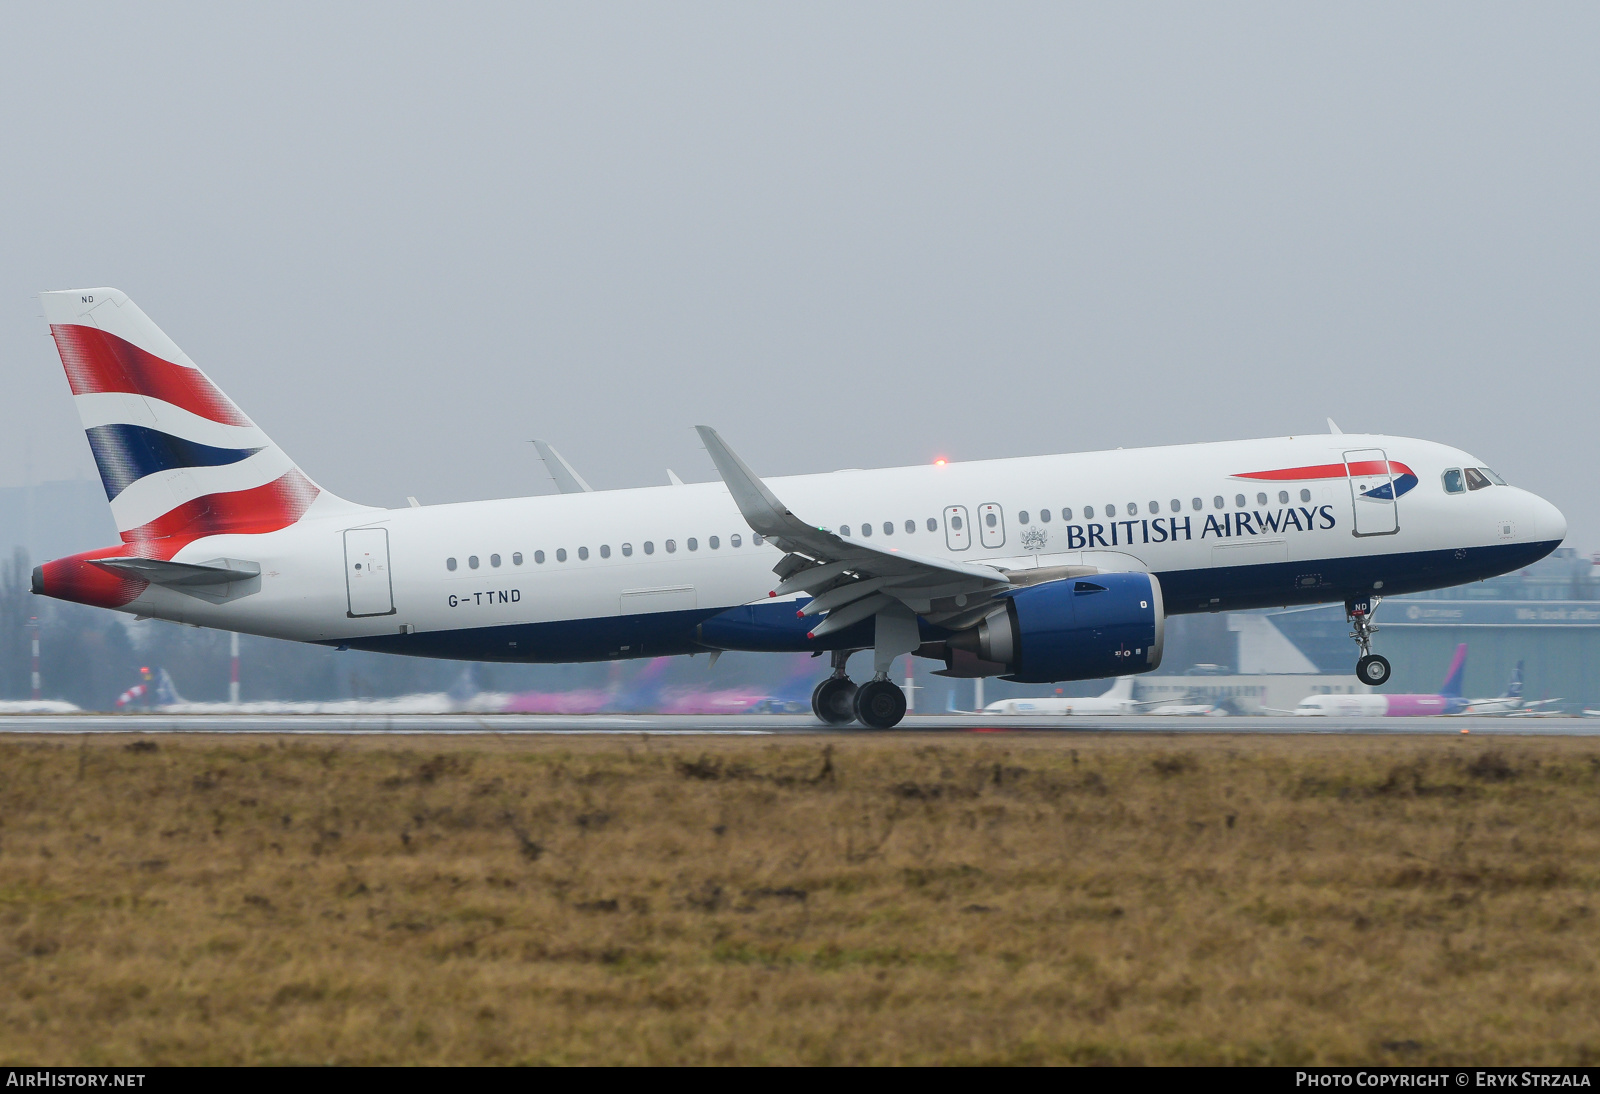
column 127, row 453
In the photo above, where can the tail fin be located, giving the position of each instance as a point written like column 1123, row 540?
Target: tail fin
column 1458, row 669
column 166, row 690
column 178, row 459
column 1514, row 689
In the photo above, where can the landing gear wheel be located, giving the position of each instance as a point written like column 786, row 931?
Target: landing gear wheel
column 1373, row 670
column 834, row 701
column 880, row 704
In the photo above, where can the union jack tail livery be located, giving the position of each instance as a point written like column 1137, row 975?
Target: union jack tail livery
column 178, row 459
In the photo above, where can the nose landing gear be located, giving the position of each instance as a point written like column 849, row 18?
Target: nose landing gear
column 1371, row 669
column 834, row 700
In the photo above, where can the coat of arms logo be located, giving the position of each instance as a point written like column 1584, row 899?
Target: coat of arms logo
column 1034, row 538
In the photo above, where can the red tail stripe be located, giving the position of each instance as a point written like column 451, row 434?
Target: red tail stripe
column 96, row 361
column 1329, row 471
column 267, row 508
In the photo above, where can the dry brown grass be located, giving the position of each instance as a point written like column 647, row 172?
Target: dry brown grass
column 898, row 899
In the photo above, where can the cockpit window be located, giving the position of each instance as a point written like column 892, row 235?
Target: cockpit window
column 1453, row 483
column 1476, row 479
column 1492, row 477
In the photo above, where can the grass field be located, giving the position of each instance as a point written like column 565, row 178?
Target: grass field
column 892, row 898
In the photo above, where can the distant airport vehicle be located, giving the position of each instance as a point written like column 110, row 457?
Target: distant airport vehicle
column 1113, row 703
column 1448, row 699
column 1038, row 569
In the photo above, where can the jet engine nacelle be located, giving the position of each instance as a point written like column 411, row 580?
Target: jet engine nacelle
column 1081, row 628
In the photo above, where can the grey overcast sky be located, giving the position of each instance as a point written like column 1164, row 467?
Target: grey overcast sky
column 406, row 239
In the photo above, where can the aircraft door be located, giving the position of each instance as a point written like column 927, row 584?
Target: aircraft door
column 992, row 525
column 366, row 572
column 957, row 532
column 1372, row 492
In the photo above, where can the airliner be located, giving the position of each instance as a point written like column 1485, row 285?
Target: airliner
column 1036, row 569
column 1447, row 700
column 1116, row 702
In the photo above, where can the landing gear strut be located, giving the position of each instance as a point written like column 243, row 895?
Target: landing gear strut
column 1371, row 669
column 834, row 700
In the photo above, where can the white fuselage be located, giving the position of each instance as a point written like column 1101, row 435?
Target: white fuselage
column 629, row 554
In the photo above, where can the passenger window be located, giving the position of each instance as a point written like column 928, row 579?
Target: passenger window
column 561, row 554
column 955, row 522
column 1217, row 502
column 1198, row 504
column 844, row 530
column 888, row 527
column 692, row 543
column 1088, row 513
column 1133, row 508
column 516, row 558
column 866, row 531
column 494, row 560
column 583, row 554
column 1476, row 480
column 713, row 542
column 449, row 564
column 1066, row 514
column 756, row 540
column 734, row 540
column 1175, row 505
column 1044, row 516
column 1238, row 500
column 911, row 527
column 1453, row 483
column 1261, row 499
column 1305, row 495
column 990, row 519
column 933, row 525
column 1283, row 497
column 605, row 550
column 672, row 546
column 1022, row 517
column 627, row 550
column 538, row 557
column 649, row 547
column 472, row 560
column 1155, row 507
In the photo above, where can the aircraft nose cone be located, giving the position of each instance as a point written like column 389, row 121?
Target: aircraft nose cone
column 1545, row 521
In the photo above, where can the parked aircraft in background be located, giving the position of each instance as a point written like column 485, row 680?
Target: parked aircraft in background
column 637, row 695
column 1510, row 703
column 1038, row 569
column 462, row 697
column 1113, row 703
column 1448, row 699
column 790, row 697
column 37, row 706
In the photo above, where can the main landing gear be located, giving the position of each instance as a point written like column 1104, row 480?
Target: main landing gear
column 878, row 704
column 1371, row 669
column 834, row 701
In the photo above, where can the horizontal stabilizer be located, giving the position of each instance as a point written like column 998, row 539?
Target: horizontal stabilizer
column 181, row 575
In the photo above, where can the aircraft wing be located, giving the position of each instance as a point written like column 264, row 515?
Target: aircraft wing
column 851, row 579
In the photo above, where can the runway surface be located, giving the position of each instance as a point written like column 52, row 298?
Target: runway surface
column 763, row 725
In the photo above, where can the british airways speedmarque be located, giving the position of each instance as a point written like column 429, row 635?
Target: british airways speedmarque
column 1040, row 568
